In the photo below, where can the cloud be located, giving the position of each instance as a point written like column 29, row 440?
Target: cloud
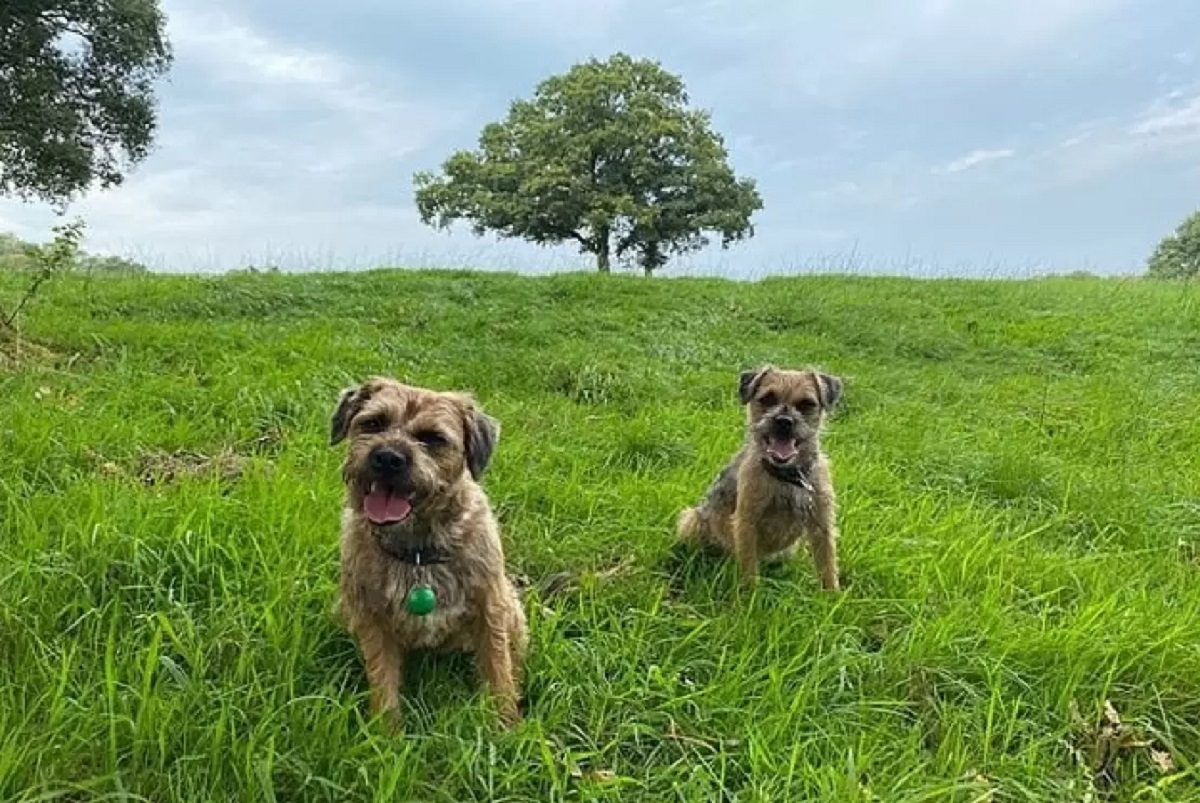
column 835, row 56
column 356, row 115
column 590, row 20
column 974, row 159
column 264, row 140
column 1165, row 130
column 1179, row 120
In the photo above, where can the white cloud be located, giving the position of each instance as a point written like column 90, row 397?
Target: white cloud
column 1167, row 128
column 1177, row 119
column 841, row 51
column 551, row 22
column 885, row 188
column 367, row 120
column 1077, row 139
column 296, row 141
column 974, row 159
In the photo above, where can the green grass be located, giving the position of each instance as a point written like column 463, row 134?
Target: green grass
column 1018, row 465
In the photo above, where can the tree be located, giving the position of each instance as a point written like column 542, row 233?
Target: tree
column 76, row 93
column 1178, row 255
column 607, row 156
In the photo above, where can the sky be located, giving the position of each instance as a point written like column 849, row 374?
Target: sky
column 973, row 137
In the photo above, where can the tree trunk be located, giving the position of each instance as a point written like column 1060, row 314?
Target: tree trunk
column 602, row 252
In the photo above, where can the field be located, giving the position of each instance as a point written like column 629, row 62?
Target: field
column 1019, row 472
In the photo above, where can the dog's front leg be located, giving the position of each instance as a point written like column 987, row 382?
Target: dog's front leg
column 745, row 548
column 385, row 672
column 824, row 551
column 823, row 542
column 495, row 655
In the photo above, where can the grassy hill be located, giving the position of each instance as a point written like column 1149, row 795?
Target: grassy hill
column 1019, row 471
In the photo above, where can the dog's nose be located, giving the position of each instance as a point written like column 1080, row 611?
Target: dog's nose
column 388, row 461
column 782, row 424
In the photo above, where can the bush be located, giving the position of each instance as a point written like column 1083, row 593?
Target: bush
column 1178, row 255
column 16, row 254
column 45, row 261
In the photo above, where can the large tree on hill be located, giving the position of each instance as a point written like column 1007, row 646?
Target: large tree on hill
column 1178, row 255
column 76, row 93
column 607, row 156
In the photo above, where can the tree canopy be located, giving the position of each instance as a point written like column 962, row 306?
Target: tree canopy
column 607, row 156
column 77, row 104
column 1178, row 255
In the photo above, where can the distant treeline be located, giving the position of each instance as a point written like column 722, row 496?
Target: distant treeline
column 14, row 255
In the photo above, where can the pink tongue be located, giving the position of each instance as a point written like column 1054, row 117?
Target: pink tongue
column 782, row 448
column 383, row 507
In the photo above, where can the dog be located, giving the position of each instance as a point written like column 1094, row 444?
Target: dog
column 422, row 565
column 778, row 487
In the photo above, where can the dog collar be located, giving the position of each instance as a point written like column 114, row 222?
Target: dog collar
column 792, row 475
column 425, row 555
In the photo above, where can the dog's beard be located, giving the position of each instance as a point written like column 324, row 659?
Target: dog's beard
column 384, row 506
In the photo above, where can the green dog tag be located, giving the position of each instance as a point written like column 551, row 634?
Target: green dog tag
column 420, row 601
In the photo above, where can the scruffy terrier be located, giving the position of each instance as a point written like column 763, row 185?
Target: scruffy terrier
column 778, row 487
column 422, row 566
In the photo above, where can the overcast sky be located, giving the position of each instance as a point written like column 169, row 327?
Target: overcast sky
column 933, row 135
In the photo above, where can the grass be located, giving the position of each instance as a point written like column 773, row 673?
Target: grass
column 1019, row 471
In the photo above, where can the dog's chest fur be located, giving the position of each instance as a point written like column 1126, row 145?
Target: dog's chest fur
column 377, row 584
column 781, row 513
column 451, row 614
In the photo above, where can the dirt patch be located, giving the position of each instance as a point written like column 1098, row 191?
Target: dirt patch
column 227, row 463
column 17, row 352
column 1109, row 748
column 158, row 467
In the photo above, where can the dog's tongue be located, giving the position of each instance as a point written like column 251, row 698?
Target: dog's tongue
column 385, row 507
column 782, row 448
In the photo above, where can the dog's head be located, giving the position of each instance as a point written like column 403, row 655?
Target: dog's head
column 785, row 410
column 408, row 446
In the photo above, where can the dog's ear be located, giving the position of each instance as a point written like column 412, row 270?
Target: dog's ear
column 349, row 403
column 481, row 433
column 748, row 381
column 831, row 390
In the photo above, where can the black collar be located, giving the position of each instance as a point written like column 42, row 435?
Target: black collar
column 416, row 554
column 792, row 475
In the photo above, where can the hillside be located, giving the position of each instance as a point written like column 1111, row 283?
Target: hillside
column 1019, row 471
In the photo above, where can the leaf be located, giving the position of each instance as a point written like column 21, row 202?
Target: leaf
column 1162, row 761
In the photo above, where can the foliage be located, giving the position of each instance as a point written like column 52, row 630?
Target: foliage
column 46, row 261
column 15, row 255
column 1018, row 467
column 76, row 93
column 110, row 263
column 607, row 156
column 1178, row 255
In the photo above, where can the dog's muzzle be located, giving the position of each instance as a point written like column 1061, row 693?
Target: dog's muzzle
column 388, row 498
column 781, row 439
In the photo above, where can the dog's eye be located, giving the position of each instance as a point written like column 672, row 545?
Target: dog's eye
column 373, row 424
column 431, row 438
column 806, row 406
column 768, row 400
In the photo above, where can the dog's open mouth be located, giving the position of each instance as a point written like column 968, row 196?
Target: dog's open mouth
column 781, row 450
column 385, row 506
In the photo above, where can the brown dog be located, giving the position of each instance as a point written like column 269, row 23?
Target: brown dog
column 777, row 488
column 422, row 567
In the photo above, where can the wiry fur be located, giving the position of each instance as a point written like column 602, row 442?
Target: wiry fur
column 478, row 609
column 751, row 513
